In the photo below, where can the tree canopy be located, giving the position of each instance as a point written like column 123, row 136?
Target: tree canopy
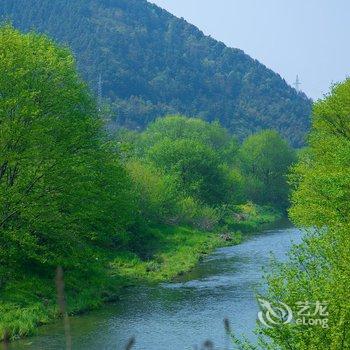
column 61, row 191
column 318, row 270
column 265, row 159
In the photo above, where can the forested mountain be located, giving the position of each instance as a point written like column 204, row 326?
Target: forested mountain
column 152, row 63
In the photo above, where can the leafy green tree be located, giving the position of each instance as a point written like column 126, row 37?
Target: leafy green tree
column 197, row 167
column 179, row 127
column 155, row 193
column 264, row 160
column 195, row 151
column 319, row 268
column 62, row 190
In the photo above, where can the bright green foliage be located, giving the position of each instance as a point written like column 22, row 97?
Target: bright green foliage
column 197, row 167
column 177, row 250
column 61, row 190
column 264, row 160
column 323, row 175
column 208, row 167
column 319, row 269
column 193, row 213
column 155, row 193
column 179, row 127
column 153, row 64
column 192, row 150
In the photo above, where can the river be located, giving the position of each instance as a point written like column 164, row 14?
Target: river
column 184, row 313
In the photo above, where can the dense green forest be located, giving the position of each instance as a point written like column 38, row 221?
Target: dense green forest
column 152, row 64
column 138, row 206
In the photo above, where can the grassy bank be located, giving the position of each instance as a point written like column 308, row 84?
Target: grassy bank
column 30, row 300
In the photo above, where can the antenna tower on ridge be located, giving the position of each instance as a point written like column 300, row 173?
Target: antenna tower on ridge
column 297, row 83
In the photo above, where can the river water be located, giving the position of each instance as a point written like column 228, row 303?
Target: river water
column 184, row 313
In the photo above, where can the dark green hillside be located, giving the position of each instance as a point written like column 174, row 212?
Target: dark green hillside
column 153, row 63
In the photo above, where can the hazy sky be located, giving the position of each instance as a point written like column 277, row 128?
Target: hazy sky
column 310, row 38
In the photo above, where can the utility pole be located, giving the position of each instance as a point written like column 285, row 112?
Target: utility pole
column 297, row 83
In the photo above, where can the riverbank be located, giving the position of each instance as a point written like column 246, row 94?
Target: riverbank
column 31, row 301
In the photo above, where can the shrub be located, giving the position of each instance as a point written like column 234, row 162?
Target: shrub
column 155, row 192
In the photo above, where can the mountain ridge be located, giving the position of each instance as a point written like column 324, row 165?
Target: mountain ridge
column 153, row 63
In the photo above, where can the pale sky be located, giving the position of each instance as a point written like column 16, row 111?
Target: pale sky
column 310, row 38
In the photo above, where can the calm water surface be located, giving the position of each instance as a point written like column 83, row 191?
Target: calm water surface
column 182, row 314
